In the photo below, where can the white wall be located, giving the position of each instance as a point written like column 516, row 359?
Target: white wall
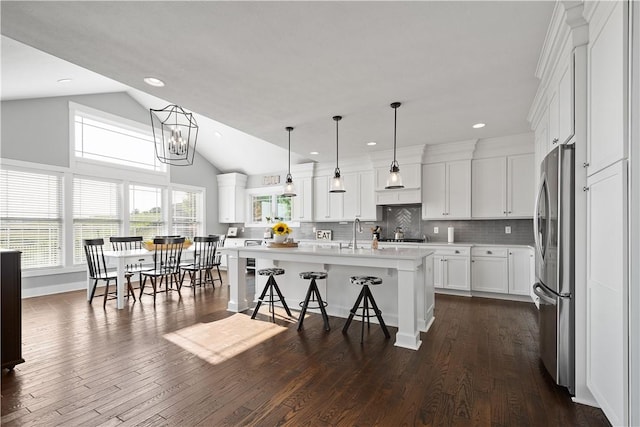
column 37, row 131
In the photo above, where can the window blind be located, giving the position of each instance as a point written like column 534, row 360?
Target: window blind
column 31, row 216
column 96, row 213
column 146, row 217
column 186, row 210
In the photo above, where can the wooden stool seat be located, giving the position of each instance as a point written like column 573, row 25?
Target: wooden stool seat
column 313, row 297
column 366, row 298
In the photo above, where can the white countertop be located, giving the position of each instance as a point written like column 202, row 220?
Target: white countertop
column 406, row 253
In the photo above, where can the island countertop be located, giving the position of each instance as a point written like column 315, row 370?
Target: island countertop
column 407, row 291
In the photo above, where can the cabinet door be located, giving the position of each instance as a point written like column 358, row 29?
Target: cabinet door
column 351, row 199
column 433, row 191
column 520, row 186
column 606, row 89
column 489, row 187
column 553, row 120
column 303, row 202
column 607, row 287
column 456, row 273
column 226, row 204
column 367, row 196
column 411, row 175
column 320, row 198
column 458, row 189
column 520, row 260
column 438, row 271
column 490, row 274
column 336, row 206
column 566, row 113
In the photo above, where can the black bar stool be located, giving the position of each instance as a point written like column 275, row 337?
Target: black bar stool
column 313, row 297
column 365, row 295
column 271, row 286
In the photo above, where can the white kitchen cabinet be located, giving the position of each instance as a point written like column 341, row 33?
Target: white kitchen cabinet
column 411, row 176
column 607, row 288
column 326, row 206
column 359, row 201
column 303, row 201
column 411, row 179
column 446, row 190
column 520, row 185
column 231, row 197
column 451, row 268
column 489, row 269
column 521, row 273
column 503, row 187
column 607, row 66
column 561, row 100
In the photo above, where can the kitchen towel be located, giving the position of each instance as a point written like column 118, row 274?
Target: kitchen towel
column 450, row 234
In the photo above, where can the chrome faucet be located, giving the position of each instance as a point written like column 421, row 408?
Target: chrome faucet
column 358, row 227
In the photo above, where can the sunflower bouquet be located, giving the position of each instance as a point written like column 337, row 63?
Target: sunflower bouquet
column 281, row 229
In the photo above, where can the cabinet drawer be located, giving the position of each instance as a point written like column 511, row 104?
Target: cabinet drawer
column 489, row 251
column 447, row 250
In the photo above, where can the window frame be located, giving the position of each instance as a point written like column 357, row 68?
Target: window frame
column 273, row 192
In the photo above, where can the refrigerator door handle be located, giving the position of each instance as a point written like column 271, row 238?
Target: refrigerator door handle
column 544, row 296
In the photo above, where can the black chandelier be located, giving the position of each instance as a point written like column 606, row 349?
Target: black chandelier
column 175, row 133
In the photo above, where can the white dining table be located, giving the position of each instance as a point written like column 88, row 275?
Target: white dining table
column 120, row 259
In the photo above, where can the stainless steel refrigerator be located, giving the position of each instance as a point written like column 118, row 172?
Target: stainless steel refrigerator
column 554, row 241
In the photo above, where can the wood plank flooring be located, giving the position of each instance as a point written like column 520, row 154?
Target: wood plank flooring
column 85, row 366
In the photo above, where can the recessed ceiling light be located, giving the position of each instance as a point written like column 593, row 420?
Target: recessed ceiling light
column 66, row 80
column 372, row 143
column 478, row 125
column 152, row 81
column 217, row 134
column 314, row 153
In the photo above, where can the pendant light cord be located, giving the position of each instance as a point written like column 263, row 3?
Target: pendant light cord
column 289, row 170
column 337, row 144
column 395, row 122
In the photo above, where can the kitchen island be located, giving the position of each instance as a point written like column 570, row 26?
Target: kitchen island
column 406, row 296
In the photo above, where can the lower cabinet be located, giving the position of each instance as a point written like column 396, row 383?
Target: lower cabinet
column 451, row 269
column 521, row 271
column 502, row 270
column 489, row 270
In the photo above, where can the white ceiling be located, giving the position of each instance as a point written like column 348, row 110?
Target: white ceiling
column 261, row 66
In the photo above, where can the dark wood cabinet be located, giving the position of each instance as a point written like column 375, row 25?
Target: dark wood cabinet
column 11, row 308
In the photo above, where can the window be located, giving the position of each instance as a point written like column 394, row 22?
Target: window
column 31, row 216
column 97, row 139
column 186, row 211
column 96, row 213
column 145, row 211
column 269, row 207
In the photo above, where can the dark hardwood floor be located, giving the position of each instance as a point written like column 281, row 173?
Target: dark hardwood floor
column 85, row 366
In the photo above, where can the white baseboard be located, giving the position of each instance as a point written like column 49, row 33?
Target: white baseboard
column 53, row 289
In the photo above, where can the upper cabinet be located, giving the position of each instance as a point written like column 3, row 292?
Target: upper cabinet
column 503, row 187
column 326, row 206
column 303, row 201
column 231, row 196
column 411, row 179
column 446, row 190
column 561, row 102
column 607, row 66
column 359, row 200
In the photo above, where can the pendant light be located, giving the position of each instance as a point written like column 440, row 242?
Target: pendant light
column 289, row 187
column 337, row 185
column 395, row 180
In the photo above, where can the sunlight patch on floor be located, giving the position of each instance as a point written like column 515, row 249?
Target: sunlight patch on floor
column 223, row 339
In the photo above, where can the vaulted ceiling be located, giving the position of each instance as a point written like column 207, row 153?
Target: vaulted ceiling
column 260, row 66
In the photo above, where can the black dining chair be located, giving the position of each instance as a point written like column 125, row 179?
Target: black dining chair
column 129, row 243
column 93, row 250
column 166, row 265
column 204, row 257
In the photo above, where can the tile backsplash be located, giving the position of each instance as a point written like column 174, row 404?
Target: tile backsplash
column 409, row 217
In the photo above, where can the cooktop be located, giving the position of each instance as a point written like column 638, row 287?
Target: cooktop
column 403, row 240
